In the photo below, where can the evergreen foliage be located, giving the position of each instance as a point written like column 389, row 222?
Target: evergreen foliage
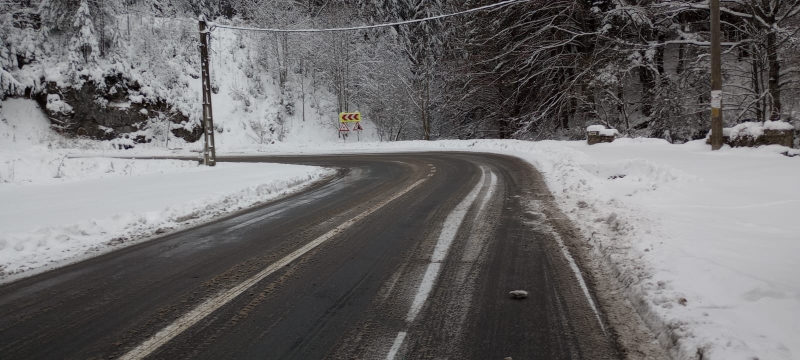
column 83, row 47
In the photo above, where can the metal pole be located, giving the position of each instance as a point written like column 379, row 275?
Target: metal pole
column 716, row 78
column 209, row 153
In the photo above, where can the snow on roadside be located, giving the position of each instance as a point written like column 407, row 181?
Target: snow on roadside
column 706, row 243
column 49, row 225
column 55, row 209
column 50, row 167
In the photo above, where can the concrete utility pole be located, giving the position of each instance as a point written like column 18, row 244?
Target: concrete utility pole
column 209, row 152
column 716, row 78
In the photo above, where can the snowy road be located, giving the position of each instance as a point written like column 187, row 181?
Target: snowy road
column 399, row 256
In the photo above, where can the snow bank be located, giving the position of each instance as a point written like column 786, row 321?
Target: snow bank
column 23, row 125
column 55, row 209
column 46, row 224
column 756, row 129
column 713, row 254
column 705, row 242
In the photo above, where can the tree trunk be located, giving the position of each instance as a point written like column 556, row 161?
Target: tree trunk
column 647, row 79
column 659, row 59
column 757, row 88
column 774, row 74
column 621, row 106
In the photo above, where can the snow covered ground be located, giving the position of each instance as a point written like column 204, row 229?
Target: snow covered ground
column 55, row 209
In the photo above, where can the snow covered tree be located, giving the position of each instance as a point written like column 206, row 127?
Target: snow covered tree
column 13, row 43
column 83, row 47
column 54, row 14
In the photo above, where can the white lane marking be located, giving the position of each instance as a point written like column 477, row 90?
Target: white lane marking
column 581, row 281
column 207, row 307
column 449, row 230
column 489, row 194
column 425, row 287
column 453, row 222
column 398, row 341
column 475, row 241
column 451, row 225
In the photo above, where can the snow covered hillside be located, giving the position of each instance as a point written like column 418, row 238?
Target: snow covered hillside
column 146, row 87
column 248, row 109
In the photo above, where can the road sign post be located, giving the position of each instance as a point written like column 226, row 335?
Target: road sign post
column 343, row 130
column 358, row 128
column 349, row 117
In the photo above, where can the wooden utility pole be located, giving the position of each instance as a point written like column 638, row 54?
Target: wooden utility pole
column 716, row 78
column 209, row 152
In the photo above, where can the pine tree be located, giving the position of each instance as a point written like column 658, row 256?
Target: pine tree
column 54, row 14
column 8, row 62
column 83, row 47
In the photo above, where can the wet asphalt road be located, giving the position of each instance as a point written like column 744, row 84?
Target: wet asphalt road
column 351, row 296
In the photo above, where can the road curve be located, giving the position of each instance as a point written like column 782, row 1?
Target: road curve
column 400, row 256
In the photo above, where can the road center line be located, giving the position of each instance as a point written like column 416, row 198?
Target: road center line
column 209, row 306
column 398, row 341
column 453, row 222
column 489, row 194
column 449, row 230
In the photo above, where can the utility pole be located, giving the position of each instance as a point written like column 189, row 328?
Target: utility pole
column 209, row 152
column 716, row 78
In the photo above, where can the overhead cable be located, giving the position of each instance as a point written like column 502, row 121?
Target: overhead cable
column 414, row 21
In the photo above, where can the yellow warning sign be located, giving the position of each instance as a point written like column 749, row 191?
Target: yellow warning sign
column 347, row 117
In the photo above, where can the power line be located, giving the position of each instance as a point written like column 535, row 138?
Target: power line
column 482, row 8
column 193, row 22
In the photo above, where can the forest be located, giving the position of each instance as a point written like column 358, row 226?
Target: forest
column 530, row 69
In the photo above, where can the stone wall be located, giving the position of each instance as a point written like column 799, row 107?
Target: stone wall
column 594, row 137
column 770, row 137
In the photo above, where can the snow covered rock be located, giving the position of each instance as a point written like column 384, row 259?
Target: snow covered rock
column 596, row 134
column 754, row 134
